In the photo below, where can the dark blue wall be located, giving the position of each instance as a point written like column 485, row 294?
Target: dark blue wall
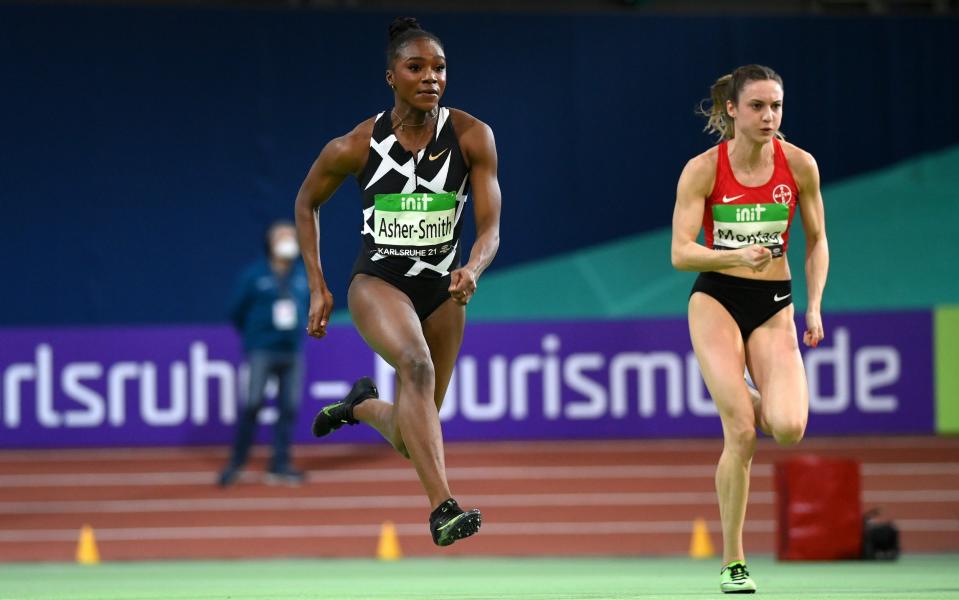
column 143, row 150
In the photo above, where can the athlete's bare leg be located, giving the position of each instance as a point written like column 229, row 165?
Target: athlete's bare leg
column 443, row 331
column 385, row 318
column 380, row 415
column 757, row 403
column 775, row 364
column 719, row 348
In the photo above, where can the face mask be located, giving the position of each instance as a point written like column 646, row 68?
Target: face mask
column 286, row 249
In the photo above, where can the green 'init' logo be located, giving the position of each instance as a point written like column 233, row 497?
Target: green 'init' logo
column 415, row 202
column 750, row 213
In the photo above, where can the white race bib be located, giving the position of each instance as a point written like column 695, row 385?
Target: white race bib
column 740, row 225
column 413, row 220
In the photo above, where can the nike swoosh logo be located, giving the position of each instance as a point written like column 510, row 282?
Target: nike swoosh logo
column 455, row 519
column 435, row 156
column 731, row 198
column 776, row 297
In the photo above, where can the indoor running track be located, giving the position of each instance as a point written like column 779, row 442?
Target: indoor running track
column 538, row 498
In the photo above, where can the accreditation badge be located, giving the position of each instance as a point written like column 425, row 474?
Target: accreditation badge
column 284, row 314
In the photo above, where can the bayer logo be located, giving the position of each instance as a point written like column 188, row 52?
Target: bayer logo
column 782, row 194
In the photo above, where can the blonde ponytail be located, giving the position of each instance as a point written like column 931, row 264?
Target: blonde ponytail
column 718, row 120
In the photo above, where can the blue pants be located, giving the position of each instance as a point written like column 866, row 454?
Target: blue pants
column 288, row 368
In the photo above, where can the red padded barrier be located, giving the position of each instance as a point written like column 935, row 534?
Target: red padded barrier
column 818, row 509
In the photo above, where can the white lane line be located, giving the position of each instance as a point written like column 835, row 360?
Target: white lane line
column 355, row 502
column 107, row 479
column 200, row 453
column 325, row 503
column 909, row 469
column 455, row 473
column 365, row 475
column 671, row 446
column 146, row 534
column 903, row 496
column 352, row 531
column 927, row 525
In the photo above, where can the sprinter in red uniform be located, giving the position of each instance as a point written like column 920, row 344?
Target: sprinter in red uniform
column 744, row 193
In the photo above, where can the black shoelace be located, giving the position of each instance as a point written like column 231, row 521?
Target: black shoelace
column 738, row 572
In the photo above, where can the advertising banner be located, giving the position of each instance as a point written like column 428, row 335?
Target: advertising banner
column 173, row 386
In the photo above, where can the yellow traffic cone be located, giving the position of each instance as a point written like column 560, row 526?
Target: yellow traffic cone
column 87, row 553
column 389, row 545
column 700, row 546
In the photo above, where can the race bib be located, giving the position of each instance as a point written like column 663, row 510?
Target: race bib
column 284, row 314
column 413, row 220
column 740, row 225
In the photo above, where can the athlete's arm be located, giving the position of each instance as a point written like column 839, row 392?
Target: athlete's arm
column 479, row 150
column 341, row 157
column 694, row 186
column 817, row 249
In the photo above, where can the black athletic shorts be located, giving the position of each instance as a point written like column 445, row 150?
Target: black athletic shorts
column 426, row 293
column 750, row 302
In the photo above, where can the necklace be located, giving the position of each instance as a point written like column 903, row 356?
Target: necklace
column 402, row 125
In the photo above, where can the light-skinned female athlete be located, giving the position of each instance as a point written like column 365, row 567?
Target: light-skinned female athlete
column 743, row 193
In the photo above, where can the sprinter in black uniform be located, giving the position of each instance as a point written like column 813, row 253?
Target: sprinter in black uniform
column 415, row 164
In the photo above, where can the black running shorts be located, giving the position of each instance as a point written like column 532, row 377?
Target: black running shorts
column 750, row 302
column 426, row 293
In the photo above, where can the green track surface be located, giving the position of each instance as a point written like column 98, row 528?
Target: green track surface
column 913, row 577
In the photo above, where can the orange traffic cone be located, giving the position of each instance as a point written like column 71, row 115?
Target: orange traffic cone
column 87, row 553
column 389, row 545
column 700, row 546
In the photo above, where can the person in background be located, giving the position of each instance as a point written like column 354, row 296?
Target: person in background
column 269, row 308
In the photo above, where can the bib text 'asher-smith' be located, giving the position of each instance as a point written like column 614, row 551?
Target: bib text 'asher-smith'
column 413, row 224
